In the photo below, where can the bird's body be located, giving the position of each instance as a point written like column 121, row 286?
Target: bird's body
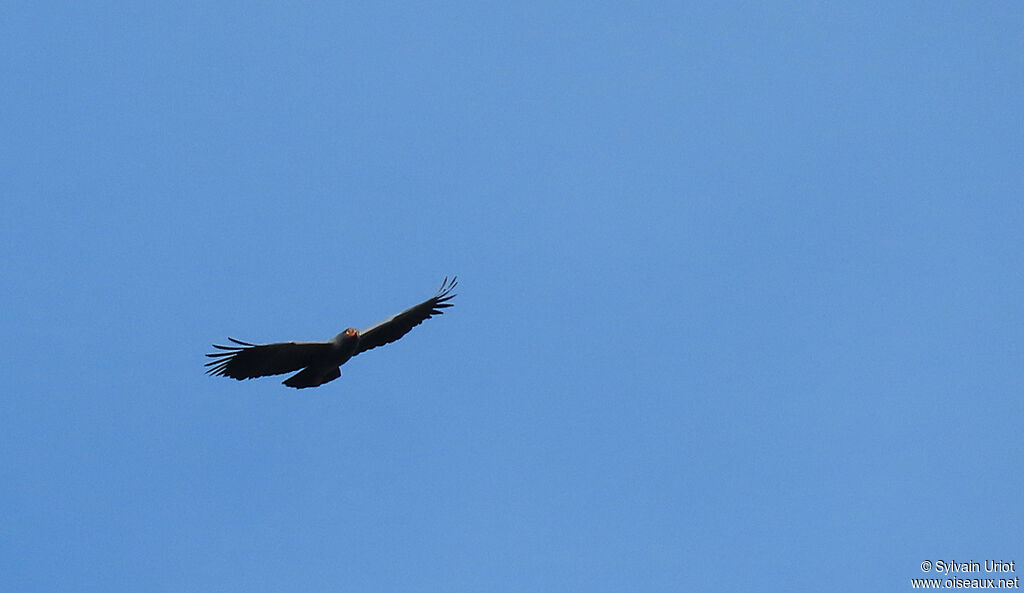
column 320, row 362
column 327, row 365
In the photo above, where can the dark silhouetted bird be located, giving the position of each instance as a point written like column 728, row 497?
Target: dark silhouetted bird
column 321, row 362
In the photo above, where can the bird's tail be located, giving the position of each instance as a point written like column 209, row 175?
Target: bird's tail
column 312, row 377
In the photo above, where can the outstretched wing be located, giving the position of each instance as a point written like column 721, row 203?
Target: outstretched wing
column 389, row 330
column 247, row 361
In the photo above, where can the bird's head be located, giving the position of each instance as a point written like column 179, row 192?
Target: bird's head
column 348, row 335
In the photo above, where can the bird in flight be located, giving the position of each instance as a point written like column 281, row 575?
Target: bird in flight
column 320, row 362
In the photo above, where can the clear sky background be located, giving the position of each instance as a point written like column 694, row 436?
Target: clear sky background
column 740, row 305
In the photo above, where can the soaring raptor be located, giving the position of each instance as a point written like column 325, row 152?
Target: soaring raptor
column 320, row 362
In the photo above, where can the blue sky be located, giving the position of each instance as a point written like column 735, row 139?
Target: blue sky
column 740, row 303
